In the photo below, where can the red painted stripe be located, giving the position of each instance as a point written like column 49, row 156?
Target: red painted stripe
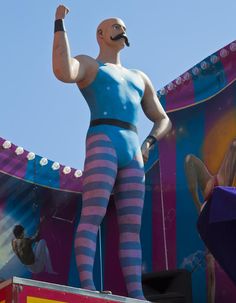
column 168, row 176
column 135, row 253
column 129, row 219
column 129, row 202
column 130, row 172
column 127, row 237
column 157, row 230
column 85, row 242
column 100, row 163
column 97, row 178
column 96, row 193
column 93, row 210
column 83, row 259
column 98, row 137
column 101, row 150
column 166, row 188
column 128, row 270
column 86, row 226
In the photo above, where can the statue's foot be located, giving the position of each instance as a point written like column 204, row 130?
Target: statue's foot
column 106, row 292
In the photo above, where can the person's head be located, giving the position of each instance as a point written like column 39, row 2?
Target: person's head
column 112, row 33
column 18, row 231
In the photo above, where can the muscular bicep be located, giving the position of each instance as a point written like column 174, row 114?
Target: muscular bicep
column 76, row 69
column 70, row 72
column 80, row 68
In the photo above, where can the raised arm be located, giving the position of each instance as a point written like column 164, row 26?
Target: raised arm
column 65, row 67
column 155, row 112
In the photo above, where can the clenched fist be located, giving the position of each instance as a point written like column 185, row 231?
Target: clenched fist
column 147, row 145
column 145, row 148
column 61, row 12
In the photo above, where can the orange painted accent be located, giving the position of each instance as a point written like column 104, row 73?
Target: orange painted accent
column 218, row 140
column 3, row 301
column 40, row 300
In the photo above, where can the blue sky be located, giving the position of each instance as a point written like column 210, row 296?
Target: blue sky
column 51, row 118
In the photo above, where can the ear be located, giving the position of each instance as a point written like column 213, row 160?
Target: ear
column 100, row 33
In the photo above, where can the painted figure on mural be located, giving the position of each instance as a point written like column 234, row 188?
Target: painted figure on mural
column 114, row 159
column 31, row 251
column 199, row 178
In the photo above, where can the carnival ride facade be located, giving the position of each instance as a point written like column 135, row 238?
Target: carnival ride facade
column 201, row 104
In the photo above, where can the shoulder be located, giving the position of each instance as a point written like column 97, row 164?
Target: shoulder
column 90, row 67
column 136, row 71
column 142, row 75
column 84, row 59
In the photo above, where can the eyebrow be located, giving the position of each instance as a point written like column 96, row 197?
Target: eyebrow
column 119, row 25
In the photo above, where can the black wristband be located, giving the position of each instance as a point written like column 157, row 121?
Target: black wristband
column 59, row 26
column 151, row 139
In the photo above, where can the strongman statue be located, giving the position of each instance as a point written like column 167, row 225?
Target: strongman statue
column 114, row 159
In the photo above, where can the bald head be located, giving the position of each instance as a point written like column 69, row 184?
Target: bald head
column 113, row 29
column 110, row 21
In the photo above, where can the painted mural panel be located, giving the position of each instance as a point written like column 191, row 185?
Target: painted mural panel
column 196, row 156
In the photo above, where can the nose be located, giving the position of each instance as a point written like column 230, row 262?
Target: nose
column 123, row 32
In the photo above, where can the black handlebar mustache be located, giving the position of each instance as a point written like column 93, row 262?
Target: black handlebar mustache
column 121, row 36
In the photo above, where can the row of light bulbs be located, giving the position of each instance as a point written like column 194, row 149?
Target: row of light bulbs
column 195, row 71
column 44, row 161
column 172, row 85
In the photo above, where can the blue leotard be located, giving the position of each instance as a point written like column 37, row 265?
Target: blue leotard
column 116, row 93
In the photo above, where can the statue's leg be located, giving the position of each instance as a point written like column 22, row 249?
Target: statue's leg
column 129, row 196
column 99, row 176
